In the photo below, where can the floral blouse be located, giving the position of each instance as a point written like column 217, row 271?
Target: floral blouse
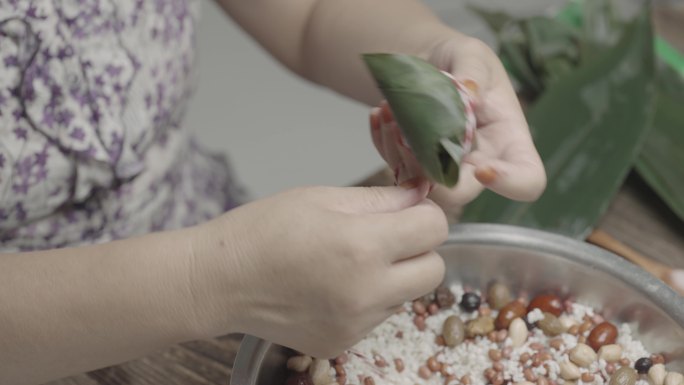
column 92, row 142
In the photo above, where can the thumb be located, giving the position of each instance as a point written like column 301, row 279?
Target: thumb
column 365, row 200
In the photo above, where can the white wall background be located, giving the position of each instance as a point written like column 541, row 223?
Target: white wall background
column 278, row 130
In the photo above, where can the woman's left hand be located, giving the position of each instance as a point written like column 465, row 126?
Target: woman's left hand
column 505, row 159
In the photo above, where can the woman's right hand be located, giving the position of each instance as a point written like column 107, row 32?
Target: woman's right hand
column 316, row 269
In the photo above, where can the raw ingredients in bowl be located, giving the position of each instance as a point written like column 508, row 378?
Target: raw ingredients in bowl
column 457, row 336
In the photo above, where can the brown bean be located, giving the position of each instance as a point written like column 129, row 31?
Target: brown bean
column 587, row 377
column 399, row 334
column 498, row 296
column 440, row 341
column 501, row 335
column 604, row 333
column 536, row 360
column 556, row 343
column 450, row 379
column 380, row 362
column 419, row 308
column 658, row 359
column 489, row 373
column 444, row 297
column 623, row 376
column 542, row 381
column 585, row 327
column 339, row 370
column 508, row 313
column 574, row 330
column 550, row 325
column 536, row 346
column 610, row 368
column 342, row 380
column 498, row 366
column 547, row 303
column 495, row 354
column 492, row 336
column 433, row 309
column 399, row 365
column 465, row 380
column 480, row 326
column 368, row 381
column 342, row 359
column 424, row 372
column 545, row 356
column 484, row 311
column 419, row 321
column 582, row 339
column 624, row 361
column 524, row 358
column 529, row 375
column 444, row 371
column 433, row 364
column 498, row 380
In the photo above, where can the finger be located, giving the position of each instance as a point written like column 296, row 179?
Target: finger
column 406, row 233
column 415, row 277
column 375, row 200
column 391, row 150
column 467, row 189
column 518, row 175
column 376, row 135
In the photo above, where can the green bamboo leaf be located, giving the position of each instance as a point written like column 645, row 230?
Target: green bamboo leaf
column 588, row 128
column 550, row 39
column 600, row 26
column 662, row 157
column 495, row 20
column 428, row 108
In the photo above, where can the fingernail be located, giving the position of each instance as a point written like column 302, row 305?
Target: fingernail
column 410, row 184
column 471, row 86
column 486, row 175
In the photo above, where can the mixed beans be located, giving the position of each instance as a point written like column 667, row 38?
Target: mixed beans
column 510, row 328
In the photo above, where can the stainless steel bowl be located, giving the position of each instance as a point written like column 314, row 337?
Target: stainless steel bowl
column 530, row 261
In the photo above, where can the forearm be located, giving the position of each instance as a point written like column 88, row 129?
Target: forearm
column 322, row 40
column 71, row 310
column 338, row 32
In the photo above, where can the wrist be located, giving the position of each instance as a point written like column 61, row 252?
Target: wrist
column 217, row 282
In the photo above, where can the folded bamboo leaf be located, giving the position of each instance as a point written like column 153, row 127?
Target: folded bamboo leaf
column 588, row 128
column 429, row 110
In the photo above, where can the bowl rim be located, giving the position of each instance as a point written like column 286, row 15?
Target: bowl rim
column 252, row 349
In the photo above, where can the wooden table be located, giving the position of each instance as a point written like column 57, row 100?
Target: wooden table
column 637, row 217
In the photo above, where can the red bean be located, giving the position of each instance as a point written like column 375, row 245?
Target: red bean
column 604, row 333
column 547, row 303
column 508, row 313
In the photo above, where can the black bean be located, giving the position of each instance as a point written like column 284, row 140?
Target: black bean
column 643, row 364
column 470, row 302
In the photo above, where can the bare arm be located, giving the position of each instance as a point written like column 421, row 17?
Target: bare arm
column 67, row 311
column 321, row 40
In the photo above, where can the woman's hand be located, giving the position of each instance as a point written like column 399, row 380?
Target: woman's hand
column 316, row 269
column 504, row 159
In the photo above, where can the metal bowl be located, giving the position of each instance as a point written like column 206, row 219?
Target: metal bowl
column 530, row 261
